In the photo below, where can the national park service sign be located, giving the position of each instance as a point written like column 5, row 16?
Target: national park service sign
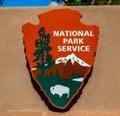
column 60, row 51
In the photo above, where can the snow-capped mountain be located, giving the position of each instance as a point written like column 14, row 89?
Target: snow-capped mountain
column 66, row 67
column 73, row 59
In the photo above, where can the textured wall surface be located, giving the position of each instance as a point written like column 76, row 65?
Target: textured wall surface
column 102, row 92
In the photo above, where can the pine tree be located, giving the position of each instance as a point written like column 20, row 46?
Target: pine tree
column 43, row 59
column 89, row 2
column 57, row 75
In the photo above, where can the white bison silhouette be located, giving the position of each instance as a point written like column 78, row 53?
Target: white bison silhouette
column 60, row 90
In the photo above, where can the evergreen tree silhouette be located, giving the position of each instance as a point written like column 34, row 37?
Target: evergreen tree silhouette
column 43, row 59
column 57, row 75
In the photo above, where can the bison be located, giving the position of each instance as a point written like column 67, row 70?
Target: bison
column 60, row 90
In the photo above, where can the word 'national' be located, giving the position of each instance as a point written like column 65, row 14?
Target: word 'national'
column 74, row 33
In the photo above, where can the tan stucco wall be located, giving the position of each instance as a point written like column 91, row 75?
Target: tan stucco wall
column 102, row 92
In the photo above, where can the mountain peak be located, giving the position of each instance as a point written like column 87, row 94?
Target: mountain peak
column 73, row 59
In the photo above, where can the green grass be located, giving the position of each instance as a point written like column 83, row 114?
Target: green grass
column 47, row 82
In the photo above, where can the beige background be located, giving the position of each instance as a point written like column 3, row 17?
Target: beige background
column 102, row 92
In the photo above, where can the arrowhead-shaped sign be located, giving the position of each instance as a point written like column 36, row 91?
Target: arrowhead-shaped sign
column 60, row 51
